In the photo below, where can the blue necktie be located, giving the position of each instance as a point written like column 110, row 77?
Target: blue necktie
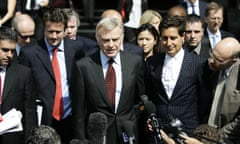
column 193, row 10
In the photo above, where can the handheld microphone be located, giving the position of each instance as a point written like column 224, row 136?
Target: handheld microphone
column 151, row 109
column 128, row 127
column 97, row 128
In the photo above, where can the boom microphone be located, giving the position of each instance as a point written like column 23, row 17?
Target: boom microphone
column 151, row 109
column 97, row 128
column 128, row 127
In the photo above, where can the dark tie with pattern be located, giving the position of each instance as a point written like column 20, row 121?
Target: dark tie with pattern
column 57, row 112
column 110, row 81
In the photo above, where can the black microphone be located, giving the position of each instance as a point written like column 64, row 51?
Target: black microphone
column 140, row 105
column 151, row 109
column 97, row 128
column 128, row 127
column 77, row 141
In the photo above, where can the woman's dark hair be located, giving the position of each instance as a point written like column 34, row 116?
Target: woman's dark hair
column 153, row 31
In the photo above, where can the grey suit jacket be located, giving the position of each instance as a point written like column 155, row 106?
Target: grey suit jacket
column 89, row 94
column 231, row 97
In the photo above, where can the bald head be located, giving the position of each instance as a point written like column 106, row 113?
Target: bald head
column 225, row 54
column 177, row 11
column 22, row 20
column 111, row 13
column 228, row 47
column 25, row 27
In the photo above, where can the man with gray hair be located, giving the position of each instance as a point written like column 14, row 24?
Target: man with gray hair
column 109, row 81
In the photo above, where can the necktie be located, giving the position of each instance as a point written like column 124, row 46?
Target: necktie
column 123, row 13
column 193, row 9
column 110, row 81
column 213, row 41
column 58, row 102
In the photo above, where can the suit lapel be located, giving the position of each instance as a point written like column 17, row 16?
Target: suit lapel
column 183, row 71
column 9, row 80
column 44, row 58
column 158, row 75
column 69, row 55
column 97, row 74
column 125, row 74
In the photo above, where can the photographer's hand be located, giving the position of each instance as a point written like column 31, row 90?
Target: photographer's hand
column 149, row 126
column 190, row 140
column 166, row 138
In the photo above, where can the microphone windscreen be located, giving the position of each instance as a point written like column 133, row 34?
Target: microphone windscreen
column 144, row 98
column 97, row 128
column 128, row 127
column 150, row 107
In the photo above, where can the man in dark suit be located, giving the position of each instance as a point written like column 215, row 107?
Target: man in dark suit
column 172, row 78
column 193, row 36
column 214, row 19
column 195, row 7
column 90, row 94
column 39, row 56
column 17, row 88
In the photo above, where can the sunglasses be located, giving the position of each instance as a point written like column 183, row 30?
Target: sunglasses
column 25, row 36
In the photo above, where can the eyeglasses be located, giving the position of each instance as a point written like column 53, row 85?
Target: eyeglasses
column 25, row 36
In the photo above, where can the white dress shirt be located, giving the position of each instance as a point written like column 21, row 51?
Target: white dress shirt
column 171, row 70
column 196, row 7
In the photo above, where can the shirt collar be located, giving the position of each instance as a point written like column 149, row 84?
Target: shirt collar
column 178, row 55
column 104, row 58
column 217, row 34
column 190, row 4
column 3, row 68
column 50, row 48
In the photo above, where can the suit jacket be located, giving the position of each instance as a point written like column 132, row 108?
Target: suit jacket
column 206, row 41
column 230, row 133
column 202, row 7
column 184, row 100
column 231, row 97
column 37, row 57
column 89, row 94
column 19, row 92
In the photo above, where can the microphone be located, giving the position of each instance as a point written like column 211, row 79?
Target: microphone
column 128, row 134
column 77, row 141
column 151, row 109
column 97, row 128
column 140, row 105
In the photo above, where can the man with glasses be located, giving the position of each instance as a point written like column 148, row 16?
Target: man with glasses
column 214, row 20
column 224, row 62
column 24, row 26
